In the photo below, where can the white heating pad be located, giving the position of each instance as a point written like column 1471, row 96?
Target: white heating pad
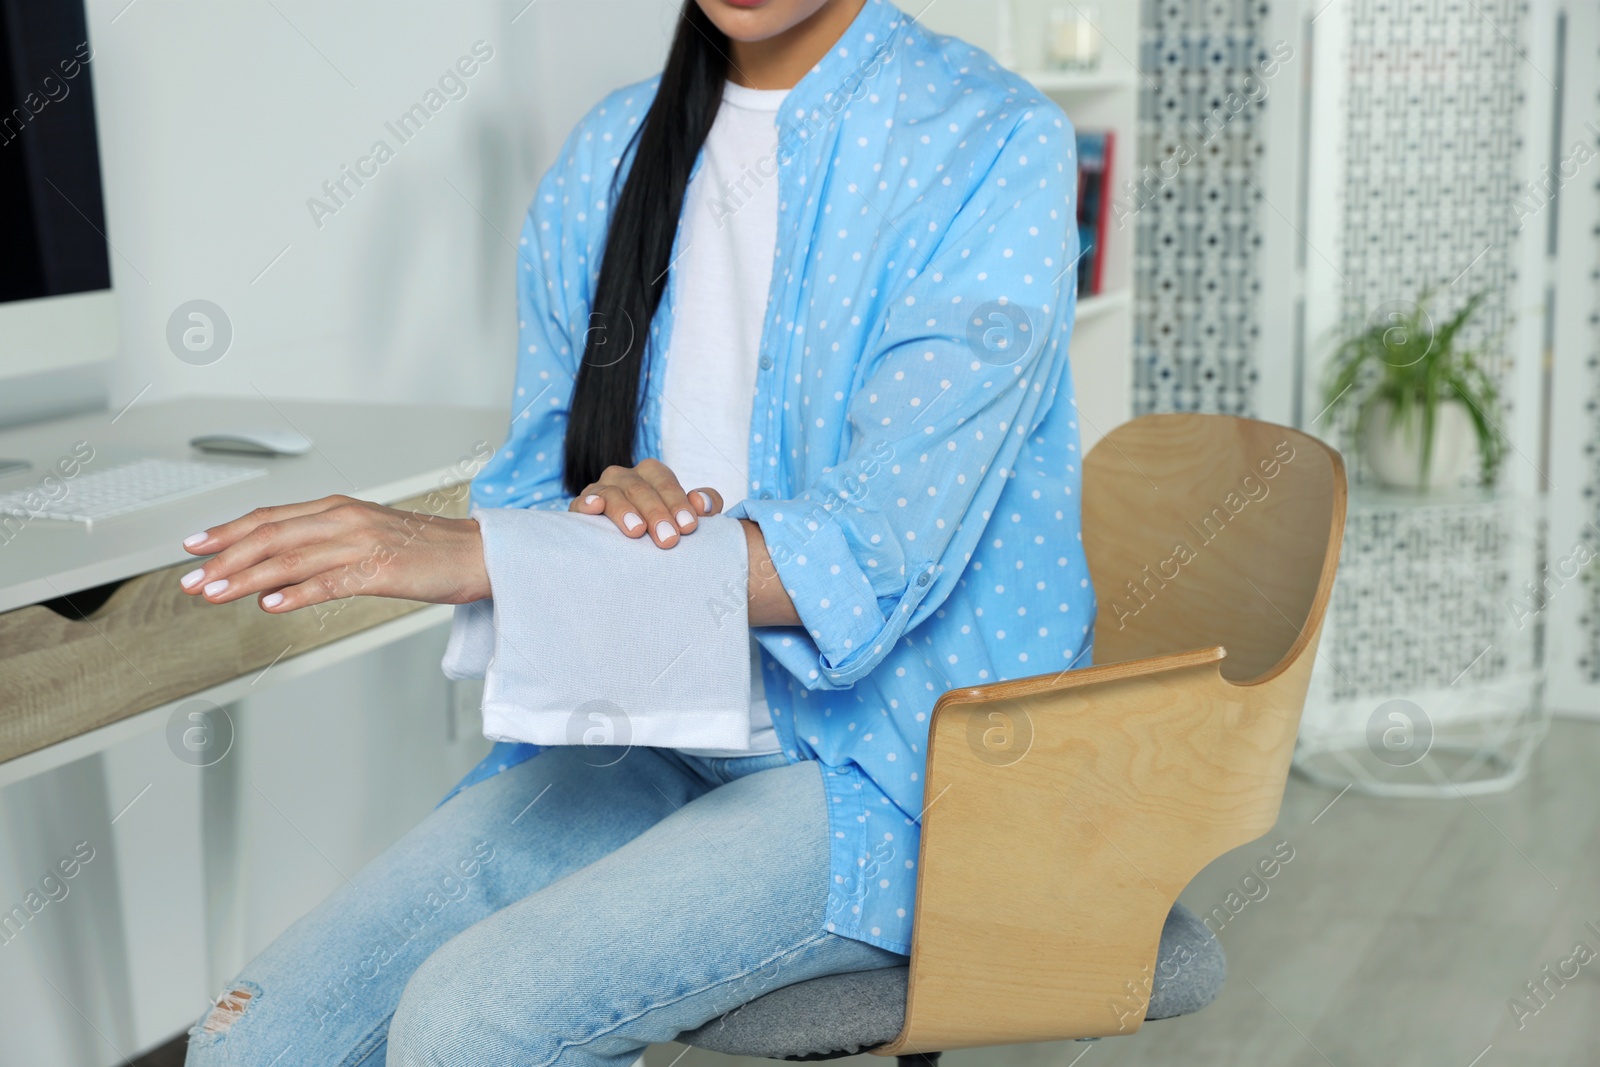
column 592, row 637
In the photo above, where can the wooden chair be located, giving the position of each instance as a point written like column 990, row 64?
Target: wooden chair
column 1066, row 812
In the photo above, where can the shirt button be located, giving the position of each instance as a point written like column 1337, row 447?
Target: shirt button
column 922, row 579
column 766, row 362
column 766, row 494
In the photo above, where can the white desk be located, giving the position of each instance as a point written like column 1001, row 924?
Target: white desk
column 386, row 453
column 373, row 451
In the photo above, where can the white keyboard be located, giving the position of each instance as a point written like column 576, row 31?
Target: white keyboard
column 125, row 488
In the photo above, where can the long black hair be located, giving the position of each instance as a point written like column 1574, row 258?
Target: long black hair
column 633, row 272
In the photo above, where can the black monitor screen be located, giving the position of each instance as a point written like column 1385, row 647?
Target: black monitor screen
column 52, row 218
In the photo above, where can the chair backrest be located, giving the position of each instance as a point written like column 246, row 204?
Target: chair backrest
column 1063, row 814
column 1208, row 530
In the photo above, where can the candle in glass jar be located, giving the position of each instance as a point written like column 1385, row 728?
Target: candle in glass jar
column 1075, row 38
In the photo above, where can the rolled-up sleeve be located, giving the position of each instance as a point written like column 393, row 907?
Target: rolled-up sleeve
column 968, row 362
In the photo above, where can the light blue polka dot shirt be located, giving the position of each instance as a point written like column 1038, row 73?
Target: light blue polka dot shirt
column 914, row 460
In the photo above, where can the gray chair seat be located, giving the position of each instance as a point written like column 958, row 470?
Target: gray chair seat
column 844, row 1014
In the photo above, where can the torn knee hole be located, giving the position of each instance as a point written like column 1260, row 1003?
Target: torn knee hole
column 227, row 1010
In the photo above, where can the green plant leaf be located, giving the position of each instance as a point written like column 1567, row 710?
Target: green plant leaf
column 1414, row 366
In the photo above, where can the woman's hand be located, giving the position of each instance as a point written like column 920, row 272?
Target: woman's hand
column 647, row 498
column 303, row 554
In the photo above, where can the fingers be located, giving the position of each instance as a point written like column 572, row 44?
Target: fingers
column 671, row 494
column 288, row 537
column 589, row 502
column 646, row 500
column 218, row 538
column 287, row 568
column 638, row 510
column 320, row 588
column 355, row 549
column 706, row 500
column 612, row 502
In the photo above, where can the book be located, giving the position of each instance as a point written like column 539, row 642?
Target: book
column 1094, row 206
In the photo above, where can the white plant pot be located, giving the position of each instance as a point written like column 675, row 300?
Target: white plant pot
column 1394, row 453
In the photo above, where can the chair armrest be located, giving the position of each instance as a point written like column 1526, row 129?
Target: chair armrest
column 1063, row 816
column 1042, row 684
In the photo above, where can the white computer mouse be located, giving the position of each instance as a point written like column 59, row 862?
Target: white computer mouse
column 258, row 441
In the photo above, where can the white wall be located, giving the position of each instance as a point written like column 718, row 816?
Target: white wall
column 220, row 120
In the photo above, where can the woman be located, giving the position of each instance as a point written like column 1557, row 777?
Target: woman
column 822, row 270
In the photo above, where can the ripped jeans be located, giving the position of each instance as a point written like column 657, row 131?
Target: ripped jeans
column 569, row 910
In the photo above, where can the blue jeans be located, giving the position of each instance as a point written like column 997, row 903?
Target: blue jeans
column 569, row 910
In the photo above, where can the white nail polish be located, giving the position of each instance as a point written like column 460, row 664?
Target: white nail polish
column 188, row 580
column 272, row 600
column 217, row 587
column 685, row 518
column 705, row 502
column 195, row 539
column 665, row 530
column 632, row 521
column 591, row 498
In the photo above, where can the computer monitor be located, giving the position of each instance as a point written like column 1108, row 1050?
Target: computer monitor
column 57, row 312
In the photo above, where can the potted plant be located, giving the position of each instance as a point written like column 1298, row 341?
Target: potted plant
column 1424, row 406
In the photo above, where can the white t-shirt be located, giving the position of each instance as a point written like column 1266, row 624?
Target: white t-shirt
column 723, row 273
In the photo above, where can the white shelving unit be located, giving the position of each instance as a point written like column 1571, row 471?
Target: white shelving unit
column 1078, row 82
column 1091, row 307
